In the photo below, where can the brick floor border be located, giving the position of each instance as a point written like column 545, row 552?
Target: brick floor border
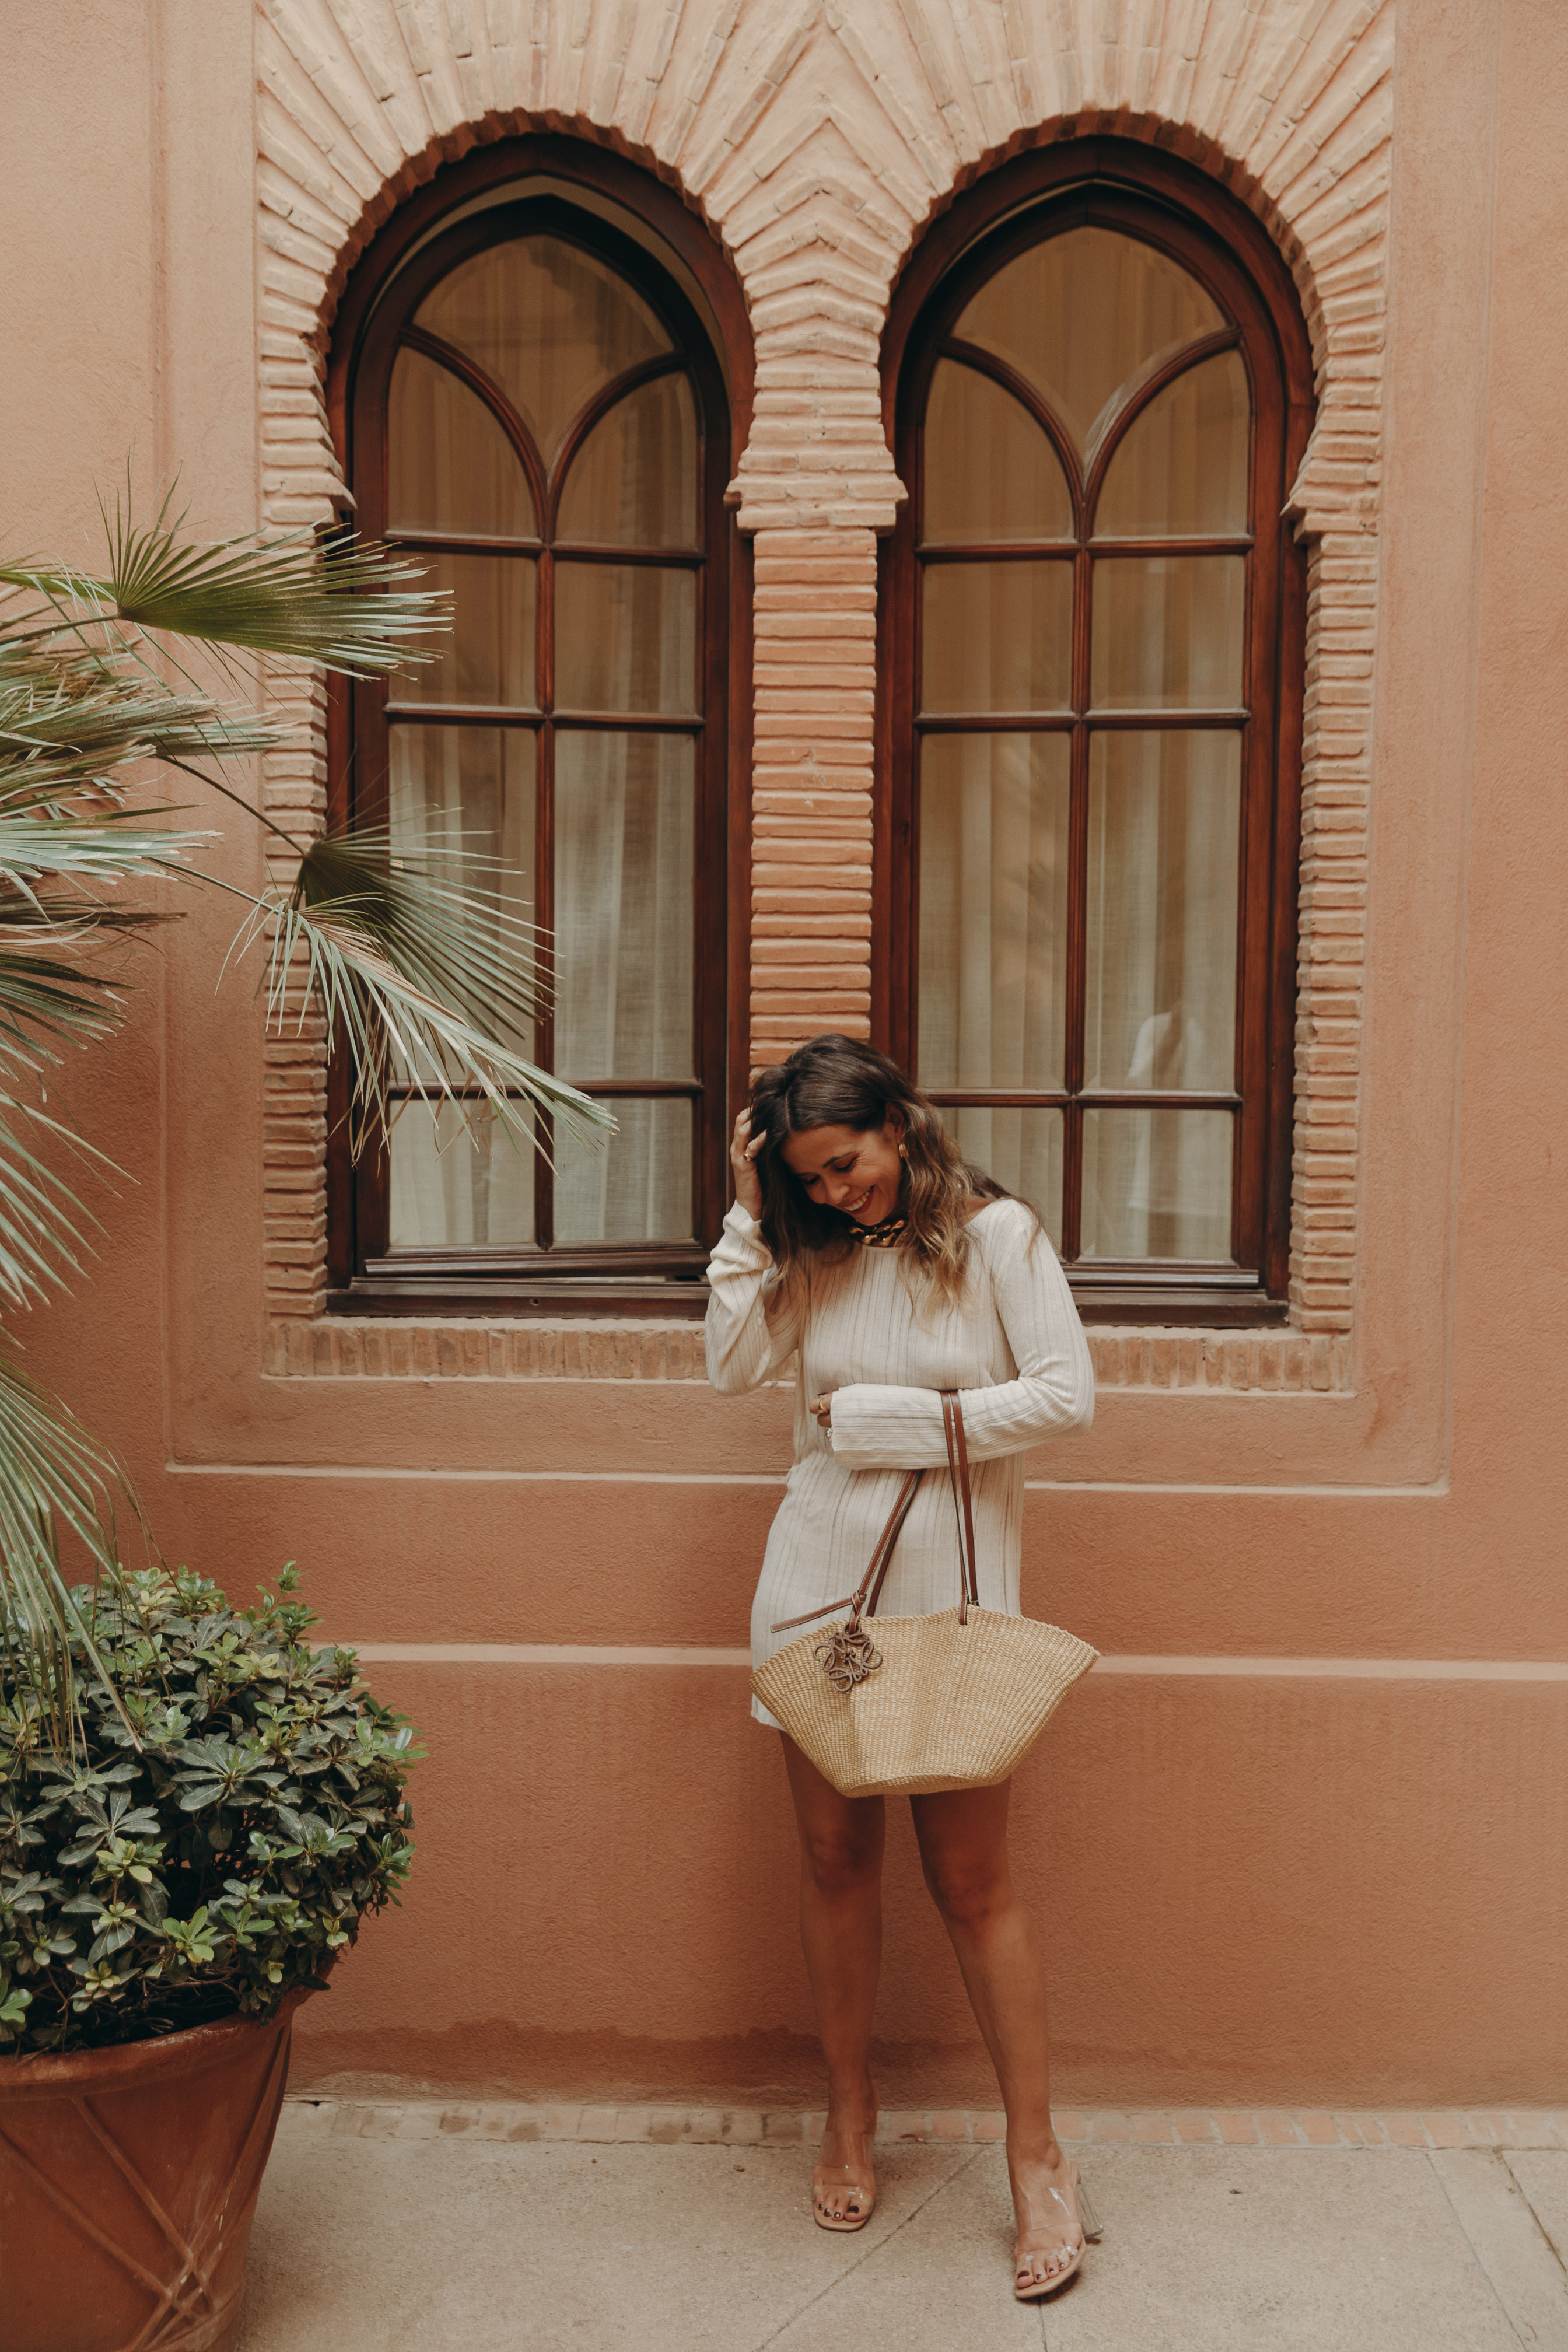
column 755, row 2127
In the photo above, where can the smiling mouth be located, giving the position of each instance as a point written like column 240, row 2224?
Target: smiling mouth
column 853, row 1208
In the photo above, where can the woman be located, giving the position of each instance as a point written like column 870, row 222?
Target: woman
column 860, row 1238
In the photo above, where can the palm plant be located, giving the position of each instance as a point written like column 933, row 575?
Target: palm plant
column 429, row 983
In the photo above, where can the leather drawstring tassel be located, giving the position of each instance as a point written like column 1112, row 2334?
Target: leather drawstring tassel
column 849, row 1656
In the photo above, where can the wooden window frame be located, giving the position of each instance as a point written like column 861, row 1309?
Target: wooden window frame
column 1112, row 184
column 420, row 245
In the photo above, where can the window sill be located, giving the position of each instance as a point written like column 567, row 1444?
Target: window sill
column 1118, row 1297
column 494, row 1298
column 1134, row 1307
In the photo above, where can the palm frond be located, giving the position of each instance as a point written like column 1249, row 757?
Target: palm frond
column 53, row 1472
column 338, row 602
column 41, row 996
column 70, row 723
column 55, row 874
column 41, row 1240
column 460, row 944
column 45, row 1007
column 430, row 981
column 104, row 849
column 434, row 988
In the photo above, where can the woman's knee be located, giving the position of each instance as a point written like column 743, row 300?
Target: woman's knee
column 969, row 1891
column 841, row 1860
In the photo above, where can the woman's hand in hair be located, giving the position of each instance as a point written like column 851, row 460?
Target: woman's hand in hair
column 742, row 1159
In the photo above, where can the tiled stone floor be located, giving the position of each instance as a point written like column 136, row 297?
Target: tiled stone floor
column 420, row 2227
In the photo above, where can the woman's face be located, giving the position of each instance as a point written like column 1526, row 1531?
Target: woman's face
column 839, row 1168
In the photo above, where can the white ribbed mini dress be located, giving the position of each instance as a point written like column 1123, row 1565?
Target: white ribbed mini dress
column 1015, row 1350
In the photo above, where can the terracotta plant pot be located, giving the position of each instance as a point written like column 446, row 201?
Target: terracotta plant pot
column 128, row 2181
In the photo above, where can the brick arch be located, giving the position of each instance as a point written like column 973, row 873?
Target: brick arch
column 818, row 141
column 1321, row 498
column 817, row 138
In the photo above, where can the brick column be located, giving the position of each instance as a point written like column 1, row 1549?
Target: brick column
column 811, row 856
column 1336, row 788
column 294, row 1101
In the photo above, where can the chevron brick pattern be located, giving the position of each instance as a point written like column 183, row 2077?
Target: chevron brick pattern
column 817, row 138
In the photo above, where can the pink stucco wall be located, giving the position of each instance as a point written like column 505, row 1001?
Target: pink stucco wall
column 1258, row 1881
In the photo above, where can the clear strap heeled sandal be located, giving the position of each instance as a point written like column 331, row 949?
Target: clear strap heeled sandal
column 1035, row 2289
column 855, row 2200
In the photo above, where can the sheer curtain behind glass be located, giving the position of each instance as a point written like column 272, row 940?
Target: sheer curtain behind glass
column 625, row 816
column 993, row 919
column 1160, row 997
column 467, row 794
column 546, row 322
column 1089, row 319
column 553, row 329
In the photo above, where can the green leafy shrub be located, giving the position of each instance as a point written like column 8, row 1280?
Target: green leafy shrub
column 218, row 1830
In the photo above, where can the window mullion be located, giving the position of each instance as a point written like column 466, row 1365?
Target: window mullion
column 1078, row 906
column 544, row 895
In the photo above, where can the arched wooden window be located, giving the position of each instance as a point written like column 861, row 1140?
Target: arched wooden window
column 537, row 410
column 1096, row 613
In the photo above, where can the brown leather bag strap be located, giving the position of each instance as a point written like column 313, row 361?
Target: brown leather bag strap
column 863, row 1600
column 881, row 1559
column 957, row 1471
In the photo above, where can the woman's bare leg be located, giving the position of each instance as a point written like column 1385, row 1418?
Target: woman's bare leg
column 841, row 1840
column 962, row 1839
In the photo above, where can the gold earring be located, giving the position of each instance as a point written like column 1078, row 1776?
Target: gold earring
column 904, row 1151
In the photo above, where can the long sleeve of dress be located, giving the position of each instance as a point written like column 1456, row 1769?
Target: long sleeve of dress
column 876, row 1428
column 749, row 1333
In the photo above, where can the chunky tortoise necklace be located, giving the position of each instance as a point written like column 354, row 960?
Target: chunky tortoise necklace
column 881, row 1236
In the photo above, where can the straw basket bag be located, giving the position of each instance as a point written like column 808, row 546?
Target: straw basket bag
column 954, row 1700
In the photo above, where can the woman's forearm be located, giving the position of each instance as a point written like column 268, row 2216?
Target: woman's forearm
column 876, row 1428
column 741, row 1343
column 892, row 1428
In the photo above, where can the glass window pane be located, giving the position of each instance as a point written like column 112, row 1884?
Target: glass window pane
column 453, row 1187
column 488, row 658
column 638, row 1187
column 1080, row 314
column 550, row 323
column 1165, row 818
column 450, row 466
column 1156, row 1184
column 625, row 851
column 994, row 910
column 468, row 792
column 626, row 637
column 1182, row 470
column 1023, row 1149
column 997, row 636
column 634, row 480
column 1167, row 632
column 990, row 471
column 466, row 796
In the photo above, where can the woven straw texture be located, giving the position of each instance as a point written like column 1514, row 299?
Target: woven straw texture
column 951, row 1706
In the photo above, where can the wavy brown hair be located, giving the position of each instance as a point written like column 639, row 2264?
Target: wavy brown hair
column 841, row 1082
